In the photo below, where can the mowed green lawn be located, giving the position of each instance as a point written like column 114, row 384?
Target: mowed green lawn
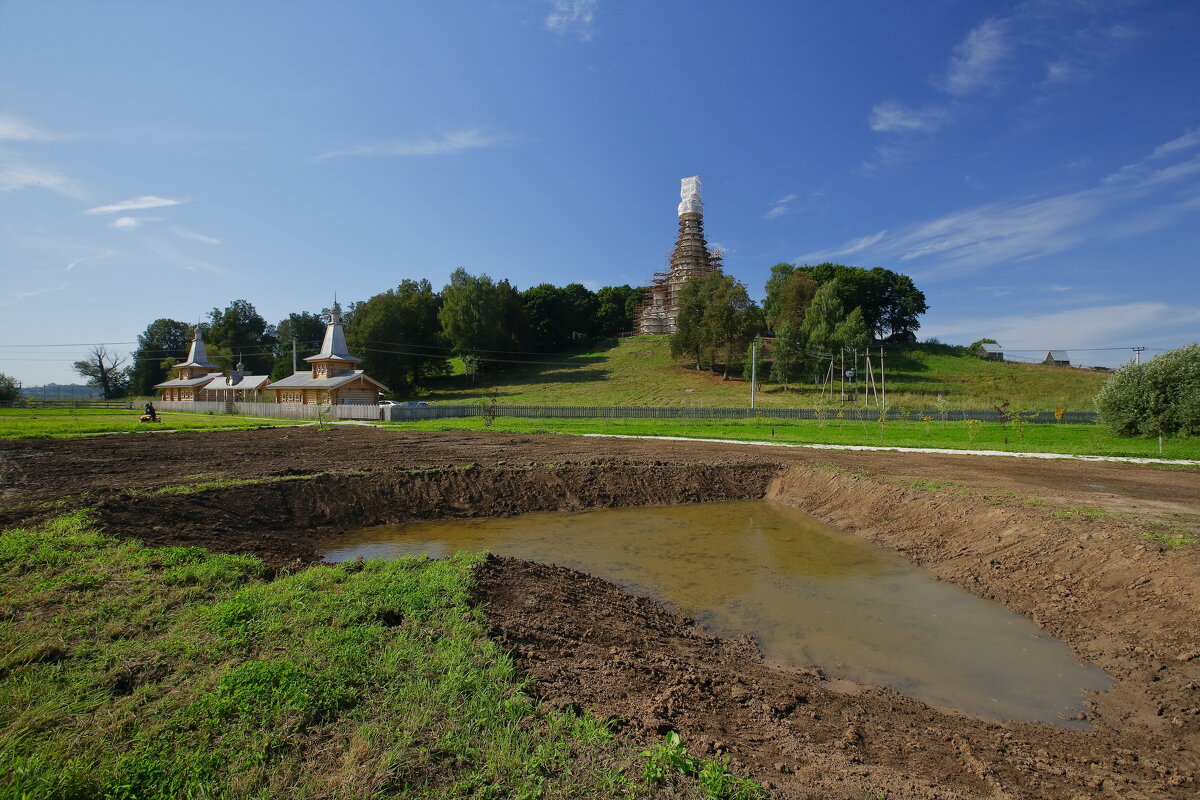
column 1069, row 439
column 45, row 423
column 639, row 371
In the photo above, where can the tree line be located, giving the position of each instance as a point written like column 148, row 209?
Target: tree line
column 404, row 336
column 809, row 312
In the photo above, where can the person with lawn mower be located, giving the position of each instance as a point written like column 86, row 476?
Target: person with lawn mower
column 151, row 415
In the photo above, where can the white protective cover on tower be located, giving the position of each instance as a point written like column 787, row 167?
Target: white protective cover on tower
column 689, row 196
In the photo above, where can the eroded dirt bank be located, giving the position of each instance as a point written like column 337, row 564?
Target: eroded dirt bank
column 285, row 520
column 1058, row 541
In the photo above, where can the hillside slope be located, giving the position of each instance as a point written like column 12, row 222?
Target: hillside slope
column 639, row 370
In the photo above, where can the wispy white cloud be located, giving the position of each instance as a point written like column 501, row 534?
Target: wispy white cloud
column 125, row 222
column 780, row 206
column 14, row 129
column 85, row 259
column 572, row 18
column 199, row 237
column 1141, row 199
column 1186, row 142
column 171, row 256
column 890, row 116
column 1093, row 326
column 17, row 297
column 1085, row 53
column 444, row 144
column 978, row 60
column 135, row 204
column 16, row 174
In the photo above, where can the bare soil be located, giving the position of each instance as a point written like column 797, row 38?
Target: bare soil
column 1059, row 541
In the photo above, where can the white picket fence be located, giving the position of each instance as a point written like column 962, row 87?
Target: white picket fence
column 276, row 410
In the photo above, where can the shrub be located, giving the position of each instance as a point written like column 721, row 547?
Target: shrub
column 1158, row 398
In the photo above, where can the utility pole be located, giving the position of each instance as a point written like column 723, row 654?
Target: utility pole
column 882, row 376
column 753, row 371
column 293, row 354
column 1137, row 353
column 842, row 377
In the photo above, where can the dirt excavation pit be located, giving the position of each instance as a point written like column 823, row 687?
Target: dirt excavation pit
column 1006, row 531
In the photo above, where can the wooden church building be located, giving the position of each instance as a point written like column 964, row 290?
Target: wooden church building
column 192, row 375
column 332, row 379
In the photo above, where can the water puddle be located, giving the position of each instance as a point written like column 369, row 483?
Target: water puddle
column 808, row 594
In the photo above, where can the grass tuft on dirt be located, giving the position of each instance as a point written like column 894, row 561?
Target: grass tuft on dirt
column 130, row 671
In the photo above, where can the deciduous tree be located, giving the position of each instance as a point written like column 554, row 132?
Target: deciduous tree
column 238, row 331
column 470, row 316
column 164, row 343
column 105, row 371
column 307, row 330
column 10, row 389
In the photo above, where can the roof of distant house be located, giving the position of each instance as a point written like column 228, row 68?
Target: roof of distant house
column 305, row 380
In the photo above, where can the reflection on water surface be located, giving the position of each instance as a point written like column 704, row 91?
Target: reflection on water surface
column 807, row 593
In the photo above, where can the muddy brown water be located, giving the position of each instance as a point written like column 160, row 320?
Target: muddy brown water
column 808, row 594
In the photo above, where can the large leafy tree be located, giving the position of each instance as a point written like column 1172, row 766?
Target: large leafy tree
column 614, row 309
column 787, row 352
column 396, row 334
column 822, row 318
column 10, row 389
column 559, row 317
column 789, row 293
column 732, row 320
column 238, row 331
column 851, row 332
column 470, row 317
column 1158, row 398
column 890, row 302
column 306, row 330
column 514, row 325
column 692, row 338
column 105, row 371
column 164, row 342
column 716, row 318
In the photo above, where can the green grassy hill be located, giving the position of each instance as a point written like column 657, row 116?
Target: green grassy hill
column 640, row 371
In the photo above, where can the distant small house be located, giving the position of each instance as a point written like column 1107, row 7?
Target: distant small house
column 1057, row 358
column 332, row 380
column 235, row 387
column 192, row 375
column 991, row 351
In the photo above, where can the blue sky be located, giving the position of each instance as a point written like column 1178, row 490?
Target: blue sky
column 1035, row 167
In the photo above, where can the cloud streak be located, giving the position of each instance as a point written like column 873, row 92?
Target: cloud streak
column 1120, row 325
column 572, row 18
column 977, row 61
column 85, row 259
column 16, row 175
column 135, row 204
column 1026, row 228
column 890, row 116
column 199, row 237
column 450, row 143
column 14, row 129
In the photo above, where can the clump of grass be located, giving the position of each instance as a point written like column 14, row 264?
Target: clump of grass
column 932, row 486
column 1089, row 512
column 1173, row 538
column 669, row 759
column 130, row 671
